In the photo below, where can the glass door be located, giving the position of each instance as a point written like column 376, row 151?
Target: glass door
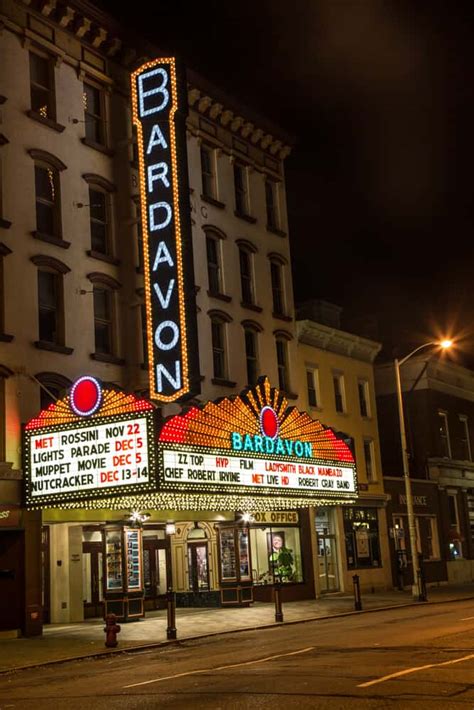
column 92, row 579
column 155, row 570
column 198, row 567
column 327, row 563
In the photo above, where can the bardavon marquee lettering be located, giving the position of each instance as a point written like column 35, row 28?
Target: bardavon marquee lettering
column 159, row 112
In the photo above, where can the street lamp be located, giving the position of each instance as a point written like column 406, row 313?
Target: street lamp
column 417, row 591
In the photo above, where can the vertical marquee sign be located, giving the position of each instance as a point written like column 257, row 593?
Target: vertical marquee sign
column 159, row 113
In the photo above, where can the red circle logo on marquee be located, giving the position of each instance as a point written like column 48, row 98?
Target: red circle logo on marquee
column 269, row 422
column 86, row 396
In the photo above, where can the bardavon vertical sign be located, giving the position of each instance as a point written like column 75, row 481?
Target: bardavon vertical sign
column 159, row 113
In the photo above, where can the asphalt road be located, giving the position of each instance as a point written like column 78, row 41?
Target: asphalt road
column 415, row 657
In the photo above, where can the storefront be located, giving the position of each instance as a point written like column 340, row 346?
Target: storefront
column 217, row 502
column 426, row 507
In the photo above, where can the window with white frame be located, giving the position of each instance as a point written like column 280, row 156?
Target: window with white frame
column 312, row 386
column 465, row 438
column 453, row 510
column 369, row 458
column 208, row 172
column 339, row 392
column 426, row 532
column 364, row 398
column 444, row 441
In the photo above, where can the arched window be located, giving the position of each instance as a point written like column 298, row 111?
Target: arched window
column 51, row 318
column 53, row 386
column 100, row 210
column 219, row 319
column 277, row 264
column 47, row 194
column 251, row 330
column 105, row 331
column 246, row 252
column 215, row 279
column 281, row 342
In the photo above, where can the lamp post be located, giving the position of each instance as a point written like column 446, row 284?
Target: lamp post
column 416, row 587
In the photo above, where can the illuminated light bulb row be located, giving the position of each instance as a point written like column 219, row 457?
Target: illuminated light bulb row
column 201, row 503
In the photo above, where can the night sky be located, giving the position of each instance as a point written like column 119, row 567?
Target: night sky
column 379, row 97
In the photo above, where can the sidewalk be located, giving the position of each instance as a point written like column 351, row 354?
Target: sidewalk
column 68, row 641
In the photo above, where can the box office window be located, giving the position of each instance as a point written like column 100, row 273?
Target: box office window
column 276, row 555
column 361, row 531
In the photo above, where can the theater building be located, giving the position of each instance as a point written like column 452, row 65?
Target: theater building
column 71, row 228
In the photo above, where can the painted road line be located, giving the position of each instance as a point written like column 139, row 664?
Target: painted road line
column 407, row 671
column 468, row 618
column 221, row 668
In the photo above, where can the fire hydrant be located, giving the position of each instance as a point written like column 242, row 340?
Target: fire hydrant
column 111, row 629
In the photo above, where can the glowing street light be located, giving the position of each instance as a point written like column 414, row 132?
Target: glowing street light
column 417, row 591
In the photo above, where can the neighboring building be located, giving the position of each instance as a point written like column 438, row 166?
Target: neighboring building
column 71, row 284
column 438, row 398
column 336, row 384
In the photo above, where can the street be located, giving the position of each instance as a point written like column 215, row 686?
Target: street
column 419, row 657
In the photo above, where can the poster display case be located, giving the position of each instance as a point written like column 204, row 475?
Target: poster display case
column 235, row 566
column 123, row 573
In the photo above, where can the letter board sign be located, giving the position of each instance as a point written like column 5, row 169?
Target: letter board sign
column 159, row 114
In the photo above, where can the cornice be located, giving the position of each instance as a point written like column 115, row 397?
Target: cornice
column 214, row 110
column 337, row 341
column 104, row 34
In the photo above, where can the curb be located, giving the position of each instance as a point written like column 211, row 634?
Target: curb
column 164, row 643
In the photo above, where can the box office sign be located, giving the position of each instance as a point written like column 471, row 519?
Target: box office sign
column 93, row 441
column 256, row 444
column 159, row 111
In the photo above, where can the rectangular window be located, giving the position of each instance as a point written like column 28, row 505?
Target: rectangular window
column 213, row 265
column 103, row 321
column 49, row 298
column 282, row 364
column 312, row 383
column 240, row 189
column 42, row 86
column 99, row 216
column 276, row 555
column 453, row 510
column 277, row 288
column 218, row 349
column 271, row 203
column 369, row 460
column 361, row 530
column 47, row 201
column 246, row 280
column 251, row 356
column 339, row 394
column 465, row 438
column 445, row 444
column 208, row 172
column 364, row 399
column 94, row 114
